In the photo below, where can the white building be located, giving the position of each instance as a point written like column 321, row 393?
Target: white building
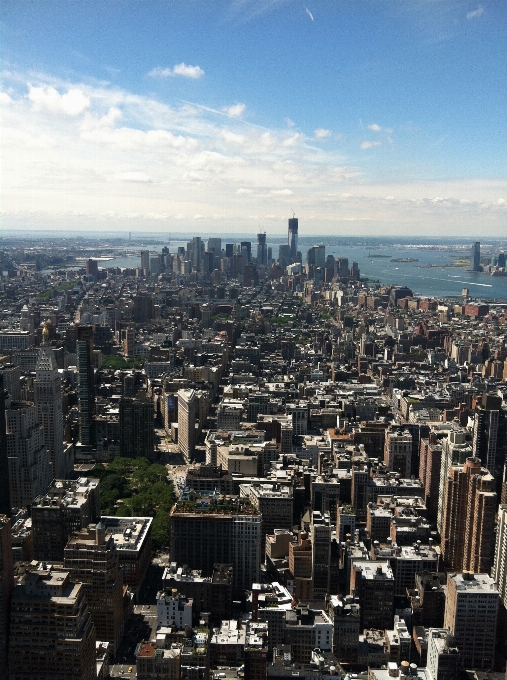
column 174, row 609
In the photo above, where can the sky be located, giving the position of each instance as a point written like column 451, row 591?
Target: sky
column 361, row 117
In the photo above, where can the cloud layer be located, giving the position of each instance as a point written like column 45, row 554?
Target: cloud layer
column 92, row 156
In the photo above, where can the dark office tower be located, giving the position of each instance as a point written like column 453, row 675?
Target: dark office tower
column 293, row 239
column 196, row 253
column 321, row 555
column 92, row 268
column 137, row 433
column 270, row 254
column 208, row 262
column 6, row 586
column 246, row 249
column 48, row 405
column 229, row 249
column 284, row 258
column 262, row 253
column 486, row 420
column 5, row 502
column 143, row 309
column 475, row 257
column 502, row 259
column 145, row 261
column 214, row 245
column 85, row 384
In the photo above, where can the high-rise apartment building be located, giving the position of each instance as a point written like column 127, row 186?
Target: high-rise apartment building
column 5, row 495
column 293, row 238
column 475, row 257
column 430, row 460
column 485, row 435
column 6, row 586
column 471, row 611
column 145, row 261
column 52, row 635
column 455, row 450
column 187, row 410
column 48, row 405
column 92, row 559
column 30, row 469
column 499, row 572
column 137, row 430
column 228, row 533
column 469, row 518
column 85, row 384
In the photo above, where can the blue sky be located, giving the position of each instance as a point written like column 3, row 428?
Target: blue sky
column 362, row 116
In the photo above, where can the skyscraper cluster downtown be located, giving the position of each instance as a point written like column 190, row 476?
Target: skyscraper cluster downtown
column 223, row 463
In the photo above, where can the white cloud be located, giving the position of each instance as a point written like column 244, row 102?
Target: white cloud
column 475, row 13
column 309, row 13
column 320, row 133
column 370, row 145
column 375, row 127
column 281, row 192
column 233, row 137
column 234, row 111
column 198, row 217
column 244, row 192
column 292, row 141
column 289, row 122
column 183, row 70
column 5, row 100
column 133, row 177
column 47, row 98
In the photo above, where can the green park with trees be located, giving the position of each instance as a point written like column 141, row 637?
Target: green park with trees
column 134, row 487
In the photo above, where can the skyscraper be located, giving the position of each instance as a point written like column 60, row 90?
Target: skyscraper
column 92, row 559
column 48, row 406
column 145, row 261
column 30, row 469
column 469, row 517
column 475, row 257
column 262, row 253
column 85, row 384
column 486, row 419
column 52, row 633
column 137, row 432
column 187, row 408
column 499, row 572
column 208, row 535
column 6, row 586
column 5, row 501
column 293, row 238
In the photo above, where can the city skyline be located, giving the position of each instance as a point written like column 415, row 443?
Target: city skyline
column 361, row 119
